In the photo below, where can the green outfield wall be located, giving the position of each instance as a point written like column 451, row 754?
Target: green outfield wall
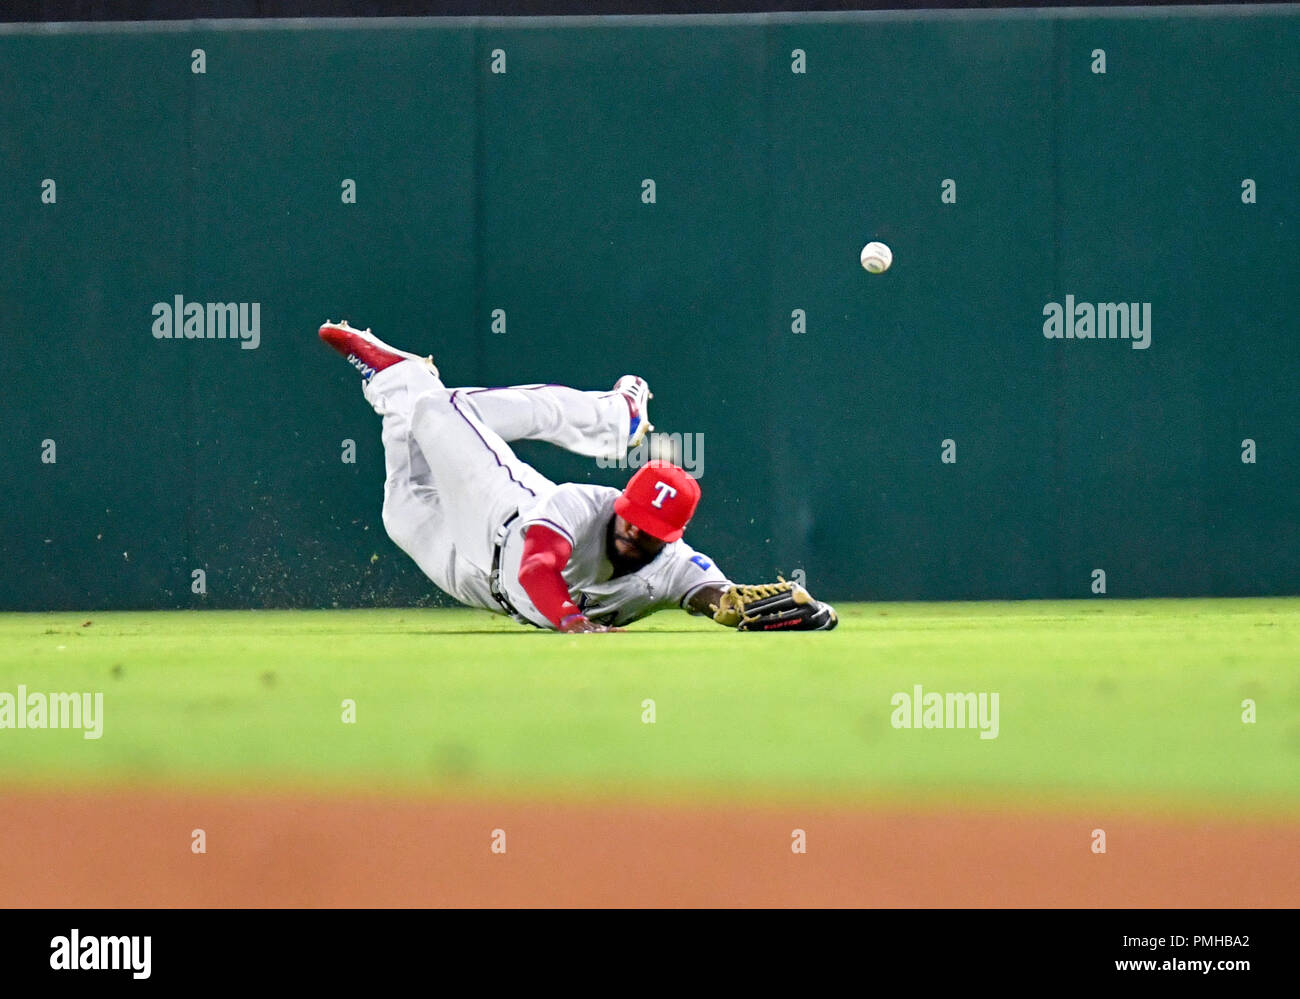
column 567, row 200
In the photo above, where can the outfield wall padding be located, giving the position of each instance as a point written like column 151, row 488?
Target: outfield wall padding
column 500, row 170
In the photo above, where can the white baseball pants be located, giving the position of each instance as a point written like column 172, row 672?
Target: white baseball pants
column 452, row 479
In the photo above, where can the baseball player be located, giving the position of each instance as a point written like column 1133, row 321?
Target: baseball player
column 492, row 532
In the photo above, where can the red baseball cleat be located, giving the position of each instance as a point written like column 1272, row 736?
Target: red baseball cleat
column 365, row 351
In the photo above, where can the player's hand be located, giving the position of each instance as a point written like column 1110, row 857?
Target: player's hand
column 580, row 625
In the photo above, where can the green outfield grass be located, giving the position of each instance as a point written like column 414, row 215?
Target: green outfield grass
column 1130, row 702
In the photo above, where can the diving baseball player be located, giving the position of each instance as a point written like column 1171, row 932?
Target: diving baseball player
column 492, row 532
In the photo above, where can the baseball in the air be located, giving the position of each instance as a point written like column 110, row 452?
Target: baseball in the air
column 876, row 258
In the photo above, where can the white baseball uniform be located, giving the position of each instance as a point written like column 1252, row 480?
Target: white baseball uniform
column 455, row 490
column 582, row 514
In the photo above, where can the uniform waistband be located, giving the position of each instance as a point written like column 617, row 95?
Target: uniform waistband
column 494, row 579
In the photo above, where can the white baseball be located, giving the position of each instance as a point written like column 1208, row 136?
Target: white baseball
column 876, row 257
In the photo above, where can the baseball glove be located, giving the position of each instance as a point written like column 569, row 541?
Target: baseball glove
column 780, row 606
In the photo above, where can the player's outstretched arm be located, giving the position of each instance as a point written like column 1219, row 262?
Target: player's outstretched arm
column 706, row 599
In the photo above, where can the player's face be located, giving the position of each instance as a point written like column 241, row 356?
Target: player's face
column 634, row 544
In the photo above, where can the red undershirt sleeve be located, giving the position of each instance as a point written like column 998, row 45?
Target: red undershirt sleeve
column 546, row 553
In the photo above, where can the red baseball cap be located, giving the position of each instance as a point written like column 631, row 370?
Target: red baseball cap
column 660, row 499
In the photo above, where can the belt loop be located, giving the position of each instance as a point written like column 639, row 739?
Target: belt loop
column 503, row 531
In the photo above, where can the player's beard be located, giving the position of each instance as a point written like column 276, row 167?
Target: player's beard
column 623, row 565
